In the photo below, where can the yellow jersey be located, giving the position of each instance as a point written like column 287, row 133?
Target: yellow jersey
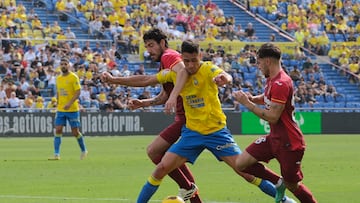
column 66, row 87
column 200, row 98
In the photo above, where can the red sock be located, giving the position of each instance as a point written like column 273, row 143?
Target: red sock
column 304, row 194
column 186, row 171
column 180, row 179
column 195, row 199
column 261, row 171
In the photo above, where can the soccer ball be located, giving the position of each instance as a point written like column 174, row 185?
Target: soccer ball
column 173, row 199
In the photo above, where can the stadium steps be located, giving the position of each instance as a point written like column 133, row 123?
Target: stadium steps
column 342, row 84
column 242, row 17
column 47, row 16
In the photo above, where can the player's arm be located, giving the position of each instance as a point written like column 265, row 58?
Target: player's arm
column 258, row 99
column 73, row 99
column 271, row 115
column 159, row 99
column 181, row 78
column 133, row 81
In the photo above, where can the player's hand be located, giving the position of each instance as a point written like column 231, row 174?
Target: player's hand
column 106, row 77
column 240, row 96
column 67, row 106
column 135, row 104
column 220, row 80
column 170, row 105
column 249, row 95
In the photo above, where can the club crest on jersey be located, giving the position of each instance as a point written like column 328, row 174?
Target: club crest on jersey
column 195, row 81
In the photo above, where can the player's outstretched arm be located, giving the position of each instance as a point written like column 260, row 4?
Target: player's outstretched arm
column 159, row 99
column 133, row 81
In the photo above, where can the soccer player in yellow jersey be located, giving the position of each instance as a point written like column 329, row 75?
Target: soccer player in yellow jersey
column 205, row 126
column 68, row 91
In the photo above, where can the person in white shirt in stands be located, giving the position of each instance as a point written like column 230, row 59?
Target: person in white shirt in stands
column 163, row 25
column 76, row 49
column 2, row 92
column 29, row 56
column 85, row 96
column 70, row 6
column 69, row 34
column 14, row 102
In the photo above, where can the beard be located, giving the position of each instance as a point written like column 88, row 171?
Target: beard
column 64, row 70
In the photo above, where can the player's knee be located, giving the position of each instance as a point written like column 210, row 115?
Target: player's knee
column 239, row 164
column 153, row 154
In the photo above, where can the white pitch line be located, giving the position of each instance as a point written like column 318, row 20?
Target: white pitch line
column 78, row 198
column 61, row 198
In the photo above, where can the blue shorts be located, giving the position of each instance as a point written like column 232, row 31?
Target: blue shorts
column 72, row 117
column 191, row 144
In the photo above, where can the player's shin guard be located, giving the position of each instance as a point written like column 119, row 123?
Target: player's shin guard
column 57, row 143
column 148, row 190
column 268, row 188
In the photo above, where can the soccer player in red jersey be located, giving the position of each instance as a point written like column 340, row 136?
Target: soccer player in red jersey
column 285, row 142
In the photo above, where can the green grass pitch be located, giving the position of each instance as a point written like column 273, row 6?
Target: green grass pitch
column 117, row 167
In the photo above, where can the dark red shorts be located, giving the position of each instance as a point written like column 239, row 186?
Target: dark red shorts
column 265, row 149
column 172, row 133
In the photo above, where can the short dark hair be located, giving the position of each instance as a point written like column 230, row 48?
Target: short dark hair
column 269, row 50
column 65, row 59
column 155, row 34
column 189, row 46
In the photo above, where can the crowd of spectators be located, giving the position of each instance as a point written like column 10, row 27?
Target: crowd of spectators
column 29, row 71
column 315, row 24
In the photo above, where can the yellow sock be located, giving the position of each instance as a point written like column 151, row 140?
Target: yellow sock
column 256, row 181
column 78, row 136
column 154, row 181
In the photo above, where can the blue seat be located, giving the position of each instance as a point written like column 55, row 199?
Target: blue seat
column 340, row 38
column 294, row 62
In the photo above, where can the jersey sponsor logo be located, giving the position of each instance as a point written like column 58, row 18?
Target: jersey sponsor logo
column 227, row 145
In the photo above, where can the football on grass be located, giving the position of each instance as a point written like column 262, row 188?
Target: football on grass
column 173, row 199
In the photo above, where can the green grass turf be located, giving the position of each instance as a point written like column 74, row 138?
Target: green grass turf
column 117, row 167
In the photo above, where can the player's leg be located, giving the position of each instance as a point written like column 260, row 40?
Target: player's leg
column 169, row 162
column 231, row 153
column 60, row 121
column 260, row 150
column 292, row 175
column 157, row 148
column 74, row 120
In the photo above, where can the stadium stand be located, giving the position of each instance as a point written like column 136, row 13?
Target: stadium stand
column 108, row 38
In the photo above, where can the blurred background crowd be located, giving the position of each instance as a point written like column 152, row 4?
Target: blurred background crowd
column 31, row 47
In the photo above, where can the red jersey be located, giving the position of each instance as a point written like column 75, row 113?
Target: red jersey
column 168, row 60
column 280, row 90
